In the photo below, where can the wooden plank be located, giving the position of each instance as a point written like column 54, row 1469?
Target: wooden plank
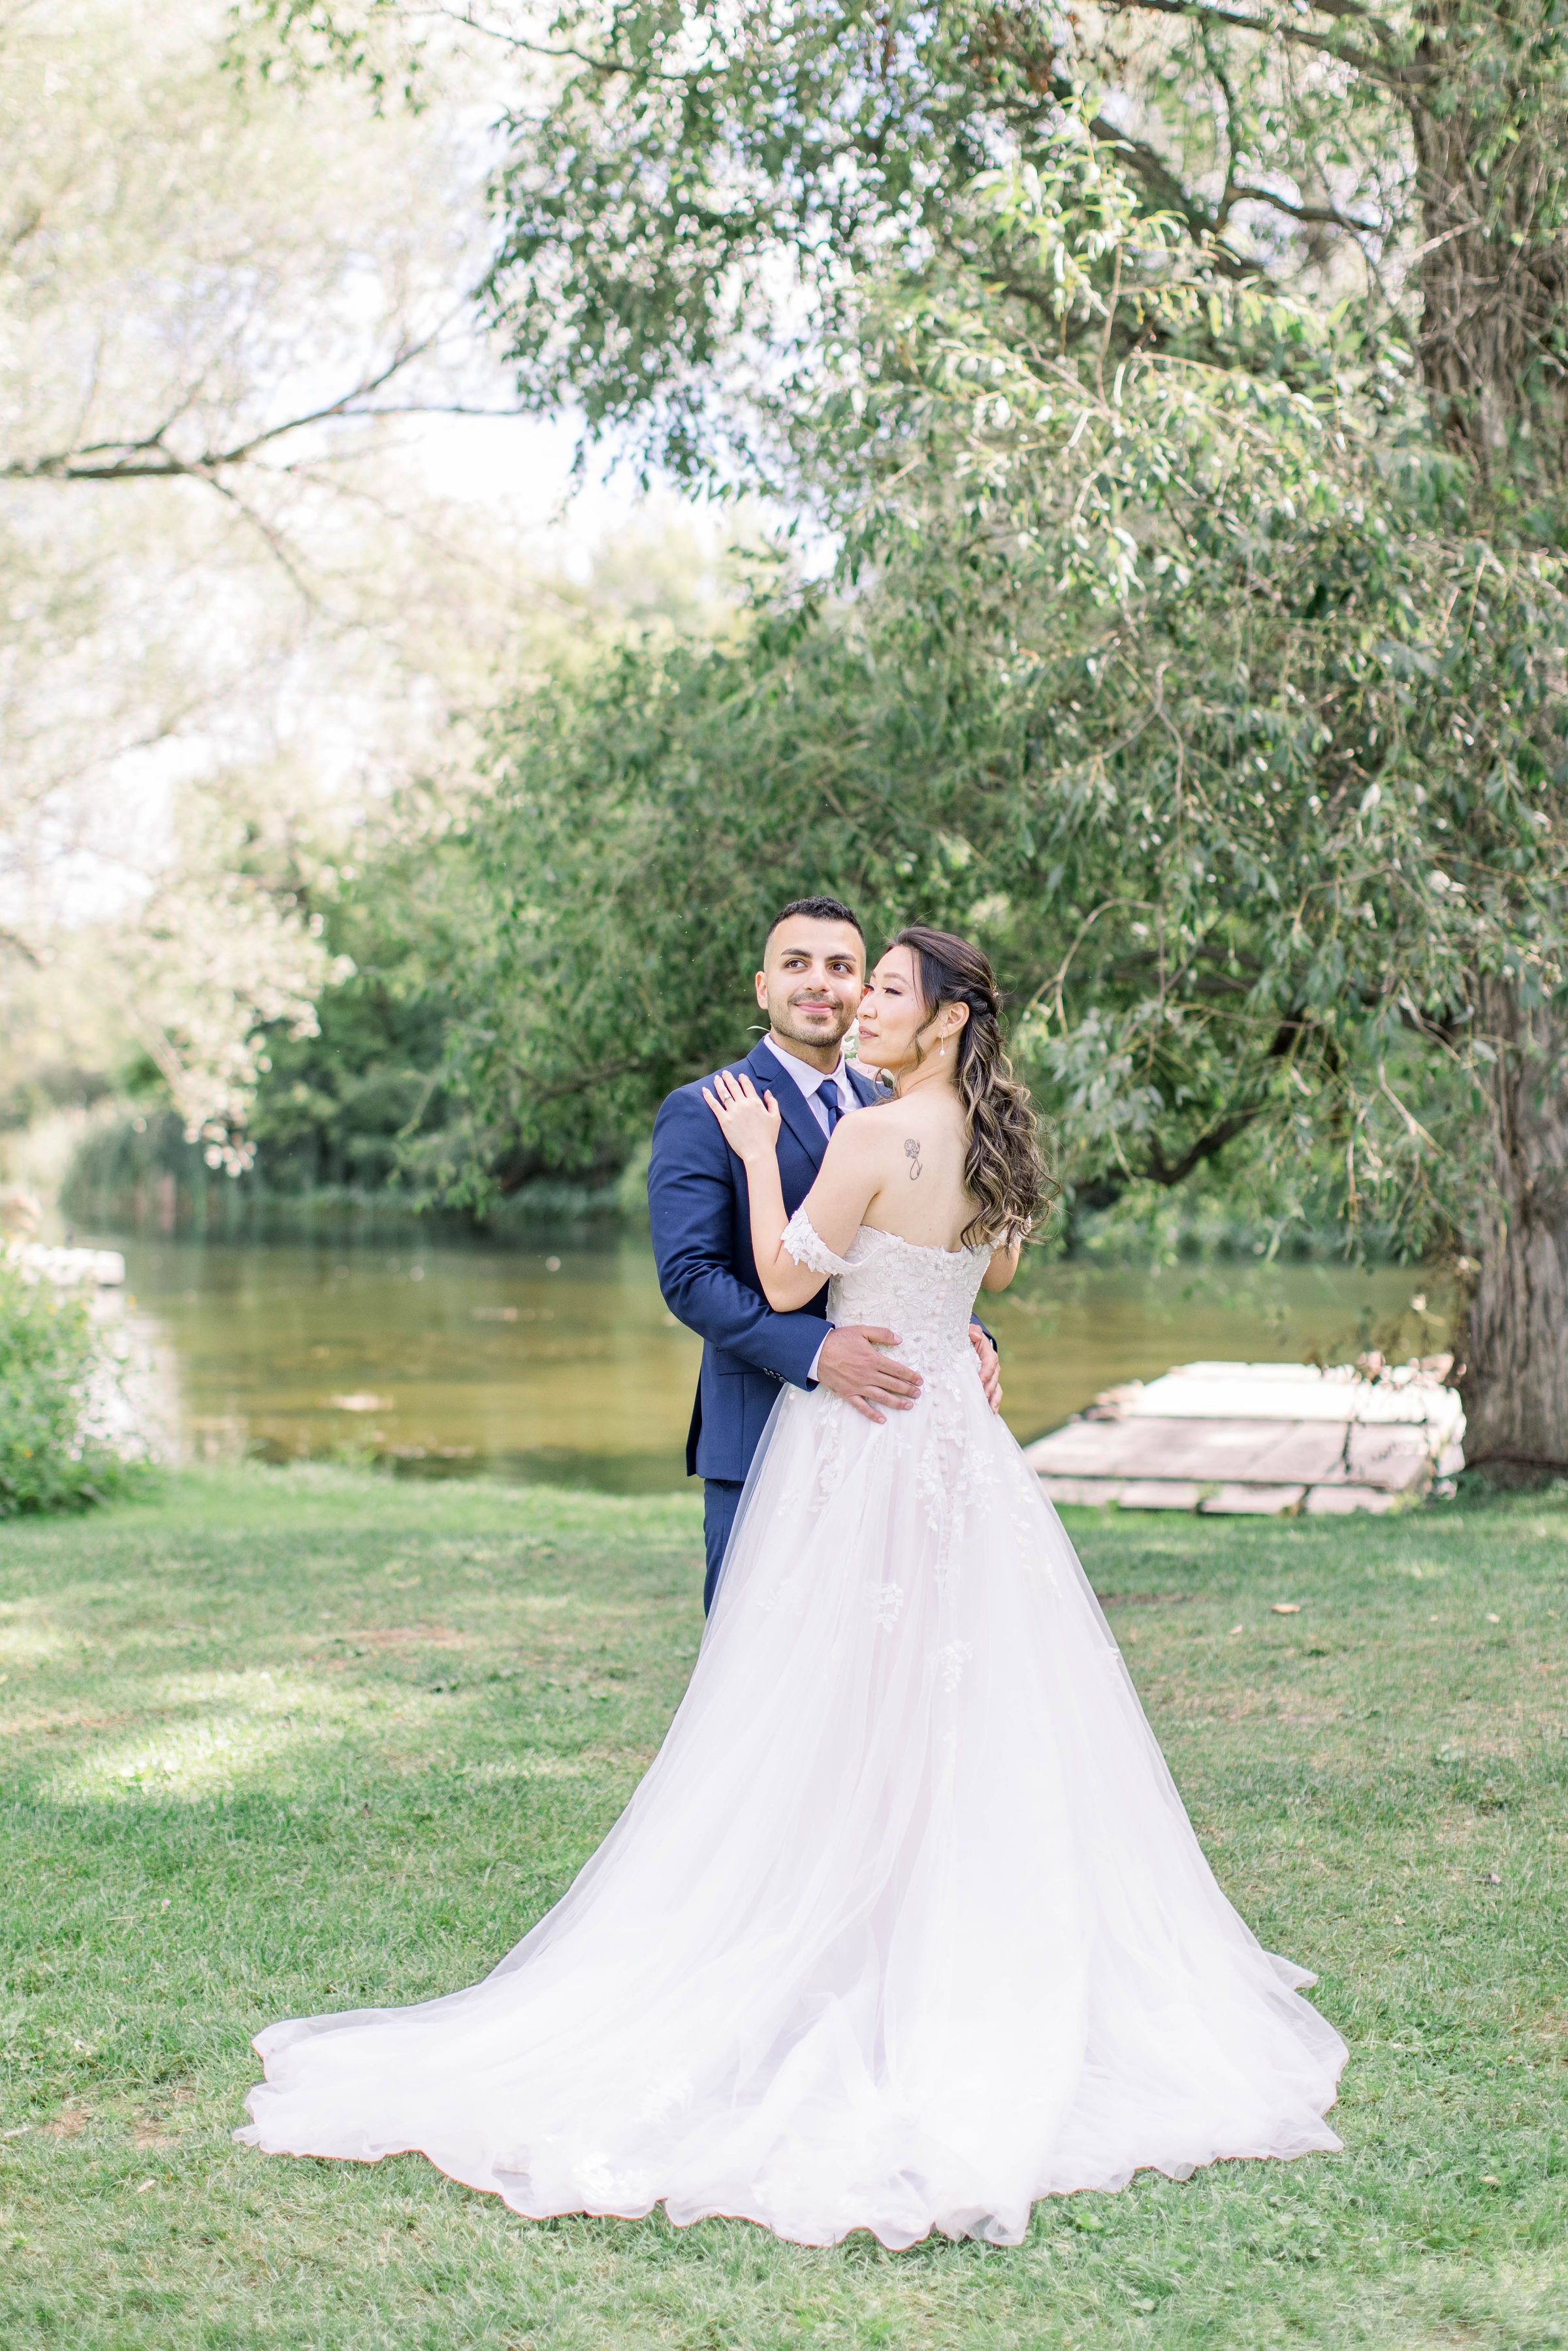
column 1288, row 1392
column 1257, row 1438
column 1131, row 1493
column 1253, row 1452
column 1243, row 1501
column 1329, row 1501
column 1160, row 1494
column 1087, row 1490
column 1387, row 1456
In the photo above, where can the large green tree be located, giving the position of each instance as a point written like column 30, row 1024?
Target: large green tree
column 1184, row 384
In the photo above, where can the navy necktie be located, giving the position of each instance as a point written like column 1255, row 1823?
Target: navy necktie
column 828, row 1095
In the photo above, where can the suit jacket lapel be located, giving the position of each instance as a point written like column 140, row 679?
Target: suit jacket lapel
column 865, row 1088
column 796, row 1111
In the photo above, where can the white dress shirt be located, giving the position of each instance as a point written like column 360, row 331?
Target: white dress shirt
column 809, row 1081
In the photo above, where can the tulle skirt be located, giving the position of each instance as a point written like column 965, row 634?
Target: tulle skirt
column 904, row 1928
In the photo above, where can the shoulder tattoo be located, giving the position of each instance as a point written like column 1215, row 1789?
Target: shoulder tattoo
column 911, row 1153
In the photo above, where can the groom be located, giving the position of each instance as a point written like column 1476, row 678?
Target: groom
column 809, row 988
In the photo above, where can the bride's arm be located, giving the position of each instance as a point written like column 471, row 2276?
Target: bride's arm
column 1004, row 1264
column 837, row 1201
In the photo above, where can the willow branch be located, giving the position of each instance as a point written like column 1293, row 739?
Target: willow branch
column 1385, row 69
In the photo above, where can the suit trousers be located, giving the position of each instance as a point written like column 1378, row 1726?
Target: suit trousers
column 721, row 1498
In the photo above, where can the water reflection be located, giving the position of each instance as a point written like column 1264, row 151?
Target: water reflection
column 560, row 1361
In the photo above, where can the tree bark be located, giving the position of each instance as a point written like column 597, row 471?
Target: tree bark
column 1493, row 270
column 1515, row 1382
column 1493, row 278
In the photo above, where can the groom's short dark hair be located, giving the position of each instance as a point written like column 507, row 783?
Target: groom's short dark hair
column 818, row 910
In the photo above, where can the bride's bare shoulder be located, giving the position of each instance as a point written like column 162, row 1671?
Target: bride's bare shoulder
column 858, row 1140
column 879, row 1127
column 864, row 1147
column 897, row 1136
column 930, row 1112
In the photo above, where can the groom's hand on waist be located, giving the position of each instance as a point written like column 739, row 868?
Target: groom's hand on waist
column 855, row 1365
column 990, row 1369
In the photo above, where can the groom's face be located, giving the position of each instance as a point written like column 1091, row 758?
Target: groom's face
column 811, row 979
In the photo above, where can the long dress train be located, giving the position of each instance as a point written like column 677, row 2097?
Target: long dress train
column 905, row 1925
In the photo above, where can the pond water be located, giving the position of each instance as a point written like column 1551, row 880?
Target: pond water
column 558, row 1360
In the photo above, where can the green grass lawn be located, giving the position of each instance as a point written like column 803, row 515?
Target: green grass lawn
column 283, row 1741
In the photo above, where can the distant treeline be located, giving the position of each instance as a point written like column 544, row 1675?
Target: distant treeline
column 527, row 987
column 139, row 1173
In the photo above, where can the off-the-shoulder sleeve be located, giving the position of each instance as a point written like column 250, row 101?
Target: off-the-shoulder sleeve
column 805, row 1244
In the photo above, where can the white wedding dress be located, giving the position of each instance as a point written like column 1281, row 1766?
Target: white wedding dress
column 904, row 1928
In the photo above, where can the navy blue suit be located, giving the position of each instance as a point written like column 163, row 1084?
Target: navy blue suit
column 702, row 1242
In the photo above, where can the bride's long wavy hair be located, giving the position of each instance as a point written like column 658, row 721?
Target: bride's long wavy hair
column 1003, row 1169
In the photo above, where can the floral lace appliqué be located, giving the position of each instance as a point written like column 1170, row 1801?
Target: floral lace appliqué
column 804, row 1243
column 952, row 1661
column 926, row 1294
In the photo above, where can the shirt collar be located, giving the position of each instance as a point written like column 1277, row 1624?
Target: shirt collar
column 807, row 1078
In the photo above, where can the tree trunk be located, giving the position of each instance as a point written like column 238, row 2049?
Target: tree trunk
column 1493, row 278
column 1493, row 270
column 1515, row 1383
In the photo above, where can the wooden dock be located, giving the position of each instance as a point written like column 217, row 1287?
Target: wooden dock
column 1274, row 1439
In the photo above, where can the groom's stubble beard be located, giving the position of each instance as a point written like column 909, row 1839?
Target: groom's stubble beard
column 832, row 1023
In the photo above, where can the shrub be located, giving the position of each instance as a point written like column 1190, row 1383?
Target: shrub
column 50, row 1457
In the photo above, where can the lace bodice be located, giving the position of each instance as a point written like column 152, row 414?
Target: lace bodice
column 927, row 1295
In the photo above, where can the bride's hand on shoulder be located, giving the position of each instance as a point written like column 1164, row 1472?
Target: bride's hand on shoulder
column 749, row 1121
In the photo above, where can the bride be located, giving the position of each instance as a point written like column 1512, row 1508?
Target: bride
column 905, row 1926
